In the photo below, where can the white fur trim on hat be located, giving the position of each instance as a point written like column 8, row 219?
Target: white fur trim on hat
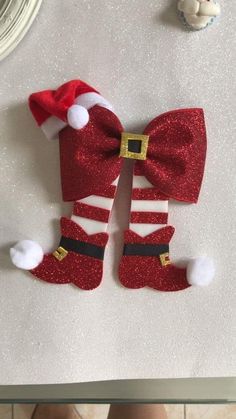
column 78, row 115
column 52, row 126
column 26, row 254
column 200, row 271
column 88, row 100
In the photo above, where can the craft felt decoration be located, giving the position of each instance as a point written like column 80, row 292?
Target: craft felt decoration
column 198, row 14
column 169, row 163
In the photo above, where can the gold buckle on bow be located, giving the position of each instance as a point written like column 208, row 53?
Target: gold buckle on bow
column 164, row 259
column 134, row 146
column 60, row 253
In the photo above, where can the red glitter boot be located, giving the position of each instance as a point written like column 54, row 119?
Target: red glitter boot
column 78, row 259
column 145, row 262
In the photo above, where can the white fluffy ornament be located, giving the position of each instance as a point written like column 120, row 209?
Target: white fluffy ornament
column 77, row 116
column 198, row 14
column 200, row 271
column 26, row 254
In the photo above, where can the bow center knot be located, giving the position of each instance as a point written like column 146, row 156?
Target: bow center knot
column 134, row 146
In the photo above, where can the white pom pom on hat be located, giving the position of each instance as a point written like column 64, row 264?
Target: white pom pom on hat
column 26, row 254
column 200, row 271
column 77, row 116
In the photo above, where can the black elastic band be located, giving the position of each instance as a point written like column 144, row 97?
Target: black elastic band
column 82, row 248
column 139, row 249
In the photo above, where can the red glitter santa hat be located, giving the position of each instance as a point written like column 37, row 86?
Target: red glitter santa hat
column 53, row 110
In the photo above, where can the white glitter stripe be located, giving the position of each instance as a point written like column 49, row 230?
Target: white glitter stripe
column 145, row 229
column 153, row 206
column 90, row 226
column 115, row 183
column 141, row 182
column 98, row 201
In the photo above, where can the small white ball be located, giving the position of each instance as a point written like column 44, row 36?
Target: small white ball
column 200, row 271
column 77, row 116
column 26, row 254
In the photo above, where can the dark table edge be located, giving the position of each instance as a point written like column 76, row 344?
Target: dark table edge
column 189, row 390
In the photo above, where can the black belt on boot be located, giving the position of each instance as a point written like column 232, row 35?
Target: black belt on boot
column 83, row 248
column 140, row 249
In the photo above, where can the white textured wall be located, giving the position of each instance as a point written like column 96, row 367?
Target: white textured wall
column 137, row 54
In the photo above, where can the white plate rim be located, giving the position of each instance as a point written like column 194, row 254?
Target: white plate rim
column 21, row 15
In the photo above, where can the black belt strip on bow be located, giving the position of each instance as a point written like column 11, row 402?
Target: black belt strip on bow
column 82, row 248
column 139, row 249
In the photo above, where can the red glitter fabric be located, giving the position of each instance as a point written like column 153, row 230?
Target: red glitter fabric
column 90, row 156
column 175, row 161
column 88, row 211
column 147, row 271
column 149, row 217
column 83, row 271
column 161, row 236
column 151, row 194
column 109, row 192
column 74, row 231
column 176, row 153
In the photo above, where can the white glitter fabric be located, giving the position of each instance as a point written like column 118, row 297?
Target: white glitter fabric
column 143, row 61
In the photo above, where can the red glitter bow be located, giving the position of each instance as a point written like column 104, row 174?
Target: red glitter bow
column 175, row 160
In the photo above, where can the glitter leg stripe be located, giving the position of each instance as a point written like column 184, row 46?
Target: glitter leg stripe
column 88, row 211
column 149, row 193
column 92, row 213
column 149, row 207
column 148, row 217
column 109, row 192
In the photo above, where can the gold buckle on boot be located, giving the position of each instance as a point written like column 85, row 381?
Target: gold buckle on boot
column 60, row 253
column 164, row 259
column 134, row 146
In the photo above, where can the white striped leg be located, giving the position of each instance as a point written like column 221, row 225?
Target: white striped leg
column 149, row 208
column 92, row 213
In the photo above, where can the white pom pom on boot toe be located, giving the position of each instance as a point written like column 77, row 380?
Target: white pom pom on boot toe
column 200, row 271
column 26, row 254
